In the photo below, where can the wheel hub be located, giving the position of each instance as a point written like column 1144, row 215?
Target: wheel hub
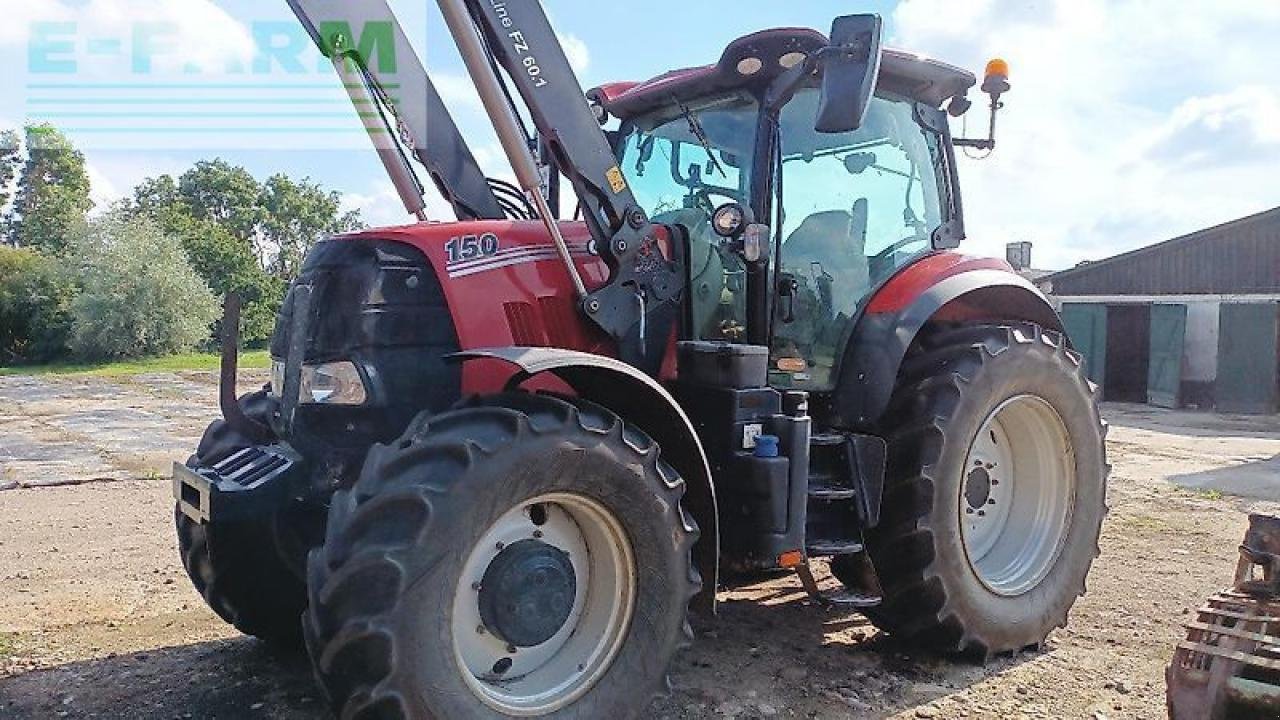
column 543, row 604
column 527, row 593
column 977, row 491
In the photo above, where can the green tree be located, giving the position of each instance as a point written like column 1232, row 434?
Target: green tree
column 53, row 191
column 226, row 262
column 228, row 265
column 35, row 306
column 296, row 215
column 9, row 162
column 157, row 196
column 280, row 219
column 223, row 193
column 140, row 295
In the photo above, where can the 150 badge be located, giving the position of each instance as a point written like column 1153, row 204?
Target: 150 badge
column 471, row 247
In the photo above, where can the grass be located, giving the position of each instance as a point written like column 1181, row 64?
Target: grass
column 1146, row 523
column 251, row 360
column 1206, row 493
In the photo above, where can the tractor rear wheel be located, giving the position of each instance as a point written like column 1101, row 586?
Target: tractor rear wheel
column 235, row 566
column 522, row 557
column 995, row 492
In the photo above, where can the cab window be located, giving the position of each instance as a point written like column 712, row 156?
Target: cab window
column 683, row 162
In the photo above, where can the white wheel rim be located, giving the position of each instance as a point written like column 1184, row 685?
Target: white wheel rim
column 1017, row 495
column 550, row 676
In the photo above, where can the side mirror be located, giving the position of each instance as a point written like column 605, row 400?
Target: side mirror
column 851, row 66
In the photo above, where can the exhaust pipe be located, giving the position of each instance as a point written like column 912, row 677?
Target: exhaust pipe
column 228, row 400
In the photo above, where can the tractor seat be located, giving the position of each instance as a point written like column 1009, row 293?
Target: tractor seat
column 836, row 240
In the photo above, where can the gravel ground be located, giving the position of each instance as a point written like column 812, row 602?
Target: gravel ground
column 98, row 620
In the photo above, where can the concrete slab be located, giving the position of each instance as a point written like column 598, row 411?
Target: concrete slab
column 72, row 430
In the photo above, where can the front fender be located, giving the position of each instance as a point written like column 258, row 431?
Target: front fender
column 894, row 320
column 641, row 400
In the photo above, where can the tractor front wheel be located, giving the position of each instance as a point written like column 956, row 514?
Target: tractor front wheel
column 995, row 493
column 522, row 557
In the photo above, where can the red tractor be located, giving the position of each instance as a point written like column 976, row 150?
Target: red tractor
column 500, row 457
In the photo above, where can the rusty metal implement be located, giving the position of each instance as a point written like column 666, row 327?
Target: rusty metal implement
column 1228, row 668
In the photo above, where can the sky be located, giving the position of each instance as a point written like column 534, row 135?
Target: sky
column 1130, row 121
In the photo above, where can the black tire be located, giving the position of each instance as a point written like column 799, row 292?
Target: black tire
column 235, row 566
column 382, row 587
column 952, row 382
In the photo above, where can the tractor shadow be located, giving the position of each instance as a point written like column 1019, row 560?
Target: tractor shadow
column 238, row 678
column 771, row 647
column 770, row 650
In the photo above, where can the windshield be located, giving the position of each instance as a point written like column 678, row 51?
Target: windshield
column 682, row 163
column 855, row 207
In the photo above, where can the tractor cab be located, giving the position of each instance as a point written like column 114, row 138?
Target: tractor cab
column 844, row 211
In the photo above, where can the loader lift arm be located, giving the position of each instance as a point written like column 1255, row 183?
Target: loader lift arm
column 399, row 106
column 639, row 304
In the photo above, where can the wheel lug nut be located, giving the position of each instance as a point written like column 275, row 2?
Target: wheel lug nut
column 982, row 513
column 512, row 649
column 475, row 586
column 991, row 501
column 500, row 546
column 537, row 534
column 480, row 630
column 969, row 511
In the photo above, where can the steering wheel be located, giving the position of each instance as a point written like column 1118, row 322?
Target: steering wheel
column 702, row 196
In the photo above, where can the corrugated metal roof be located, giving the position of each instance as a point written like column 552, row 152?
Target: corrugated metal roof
column 1239, row 257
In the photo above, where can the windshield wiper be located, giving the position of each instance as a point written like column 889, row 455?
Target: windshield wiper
column 695, row 127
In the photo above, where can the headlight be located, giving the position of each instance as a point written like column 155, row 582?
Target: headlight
column 337, row 383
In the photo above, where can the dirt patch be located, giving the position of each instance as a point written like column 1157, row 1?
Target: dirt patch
column 98, row 620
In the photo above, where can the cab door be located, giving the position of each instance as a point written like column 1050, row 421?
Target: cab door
column 855, row 207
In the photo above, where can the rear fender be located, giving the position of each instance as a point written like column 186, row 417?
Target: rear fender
column 989, row 292
column 641, row 400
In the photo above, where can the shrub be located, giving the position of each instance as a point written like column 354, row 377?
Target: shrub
column 139, row 295
column 227, row 264
column 35, row 306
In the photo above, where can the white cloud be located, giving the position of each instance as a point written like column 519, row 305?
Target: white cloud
column 381, row 206
column 1129, row 121
column 194, row 31
column 1224, row 129
column 576, row 50
column 457, row 91
column 102, row 190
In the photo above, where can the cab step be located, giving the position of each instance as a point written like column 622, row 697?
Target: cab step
column 831, row 493
column 850, row 599
column 829, row 548
column 837, row 599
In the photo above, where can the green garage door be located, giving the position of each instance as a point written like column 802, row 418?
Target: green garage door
column 1087, row 327
column 1247, row 357
column 1164, row 371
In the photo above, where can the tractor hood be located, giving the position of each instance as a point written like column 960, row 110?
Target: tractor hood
column 903, row 73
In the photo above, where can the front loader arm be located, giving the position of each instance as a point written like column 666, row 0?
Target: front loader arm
column 398, row 103
column 639, row 304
